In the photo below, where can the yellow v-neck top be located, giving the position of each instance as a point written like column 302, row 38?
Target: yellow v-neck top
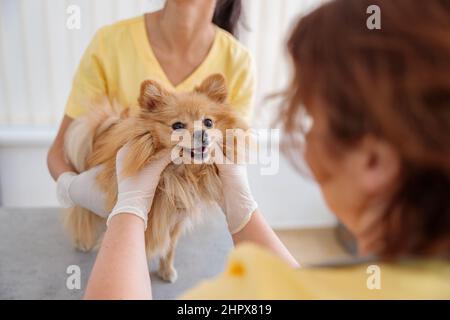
column 120, row 57
column 254, row 273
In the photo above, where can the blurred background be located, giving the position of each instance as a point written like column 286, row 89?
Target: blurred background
column 39, row 55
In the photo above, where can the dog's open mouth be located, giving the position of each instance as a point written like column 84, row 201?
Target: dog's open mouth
column 200, row 153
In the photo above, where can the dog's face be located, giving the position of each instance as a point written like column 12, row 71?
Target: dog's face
column 190, row 120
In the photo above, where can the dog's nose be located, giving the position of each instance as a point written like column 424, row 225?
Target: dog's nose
column 201, row 135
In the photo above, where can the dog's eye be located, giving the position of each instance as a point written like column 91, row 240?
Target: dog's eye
column 177, row 125
column 208, row 123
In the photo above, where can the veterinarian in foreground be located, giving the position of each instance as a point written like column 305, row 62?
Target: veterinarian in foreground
column 378, row 148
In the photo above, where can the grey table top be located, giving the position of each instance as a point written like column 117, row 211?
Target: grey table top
column 35, row 253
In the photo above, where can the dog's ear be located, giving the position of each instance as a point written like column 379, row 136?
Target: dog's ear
column 214, row 87
column 152, row 95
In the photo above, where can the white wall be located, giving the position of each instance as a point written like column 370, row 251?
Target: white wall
column 38, row 56
column 24, row 178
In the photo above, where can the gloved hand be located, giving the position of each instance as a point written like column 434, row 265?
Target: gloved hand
column 81, row 190
column 238, row 203
column 135, row 193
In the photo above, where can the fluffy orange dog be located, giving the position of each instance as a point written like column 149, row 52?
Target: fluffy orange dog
column 95, row 139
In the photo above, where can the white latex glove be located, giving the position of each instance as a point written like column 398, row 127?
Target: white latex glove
column 238, row 203
column 135, row 193
column 81, row 190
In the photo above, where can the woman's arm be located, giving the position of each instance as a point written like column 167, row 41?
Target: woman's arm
column 73, row 189
column 258, row 231
column 245, row 222
column 121, row 270
column 55, row 157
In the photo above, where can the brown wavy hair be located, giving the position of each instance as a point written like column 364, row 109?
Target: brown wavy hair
column 393, row 83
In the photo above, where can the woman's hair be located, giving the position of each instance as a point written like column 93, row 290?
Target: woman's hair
column 227, row 15
column 392, row 83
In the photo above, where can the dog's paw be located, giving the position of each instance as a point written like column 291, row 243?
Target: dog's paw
column 83, row 246
column 168, row 274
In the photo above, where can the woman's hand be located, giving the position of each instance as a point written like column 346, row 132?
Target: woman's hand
column 121, row 268
column 238, row 203
column 135, row 193
column 74, row 189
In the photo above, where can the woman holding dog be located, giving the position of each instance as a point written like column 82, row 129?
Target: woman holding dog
column 179, row 46
column 378, row 148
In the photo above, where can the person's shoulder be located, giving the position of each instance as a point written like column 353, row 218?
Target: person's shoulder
column 355, row 279
column 121, row 28
column 251, row 273
column 232, row 47
column 126, row 23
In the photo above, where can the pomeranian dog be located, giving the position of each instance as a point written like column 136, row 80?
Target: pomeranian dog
column 94, row 140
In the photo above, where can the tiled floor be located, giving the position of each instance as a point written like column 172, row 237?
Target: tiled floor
column 312, row 246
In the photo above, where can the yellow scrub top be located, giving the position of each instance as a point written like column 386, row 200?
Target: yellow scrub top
column 254, row 273
column 120, row 57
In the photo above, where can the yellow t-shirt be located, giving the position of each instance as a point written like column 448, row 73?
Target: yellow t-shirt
column 253, row 273
column 120, row 57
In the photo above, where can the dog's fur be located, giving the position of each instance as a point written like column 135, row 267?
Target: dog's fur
column 95, row 139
